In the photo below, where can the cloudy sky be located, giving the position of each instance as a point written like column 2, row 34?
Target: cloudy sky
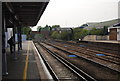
column 73, row 13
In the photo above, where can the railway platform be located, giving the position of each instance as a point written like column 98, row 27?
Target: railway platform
column 106, row 41
column 27, row 66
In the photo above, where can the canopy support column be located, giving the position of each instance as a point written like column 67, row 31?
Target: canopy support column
column 4, row 58
column 20, row 38
column 14, row 44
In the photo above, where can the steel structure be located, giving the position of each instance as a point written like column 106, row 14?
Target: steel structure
column 17, row 14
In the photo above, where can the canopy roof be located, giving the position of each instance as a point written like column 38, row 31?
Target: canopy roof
column 27, row 13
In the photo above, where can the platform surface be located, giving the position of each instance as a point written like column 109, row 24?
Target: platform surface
column 25, row 67
column 107, row 41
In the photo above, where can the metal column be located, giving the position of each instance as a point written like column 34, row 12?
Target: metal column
column 4, row 60
column 14, row 44
column 20, row 38
column 1, row 41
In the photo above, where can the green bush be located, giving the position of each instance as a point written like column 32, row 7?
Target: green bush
column 80, row 33
column 55, row 35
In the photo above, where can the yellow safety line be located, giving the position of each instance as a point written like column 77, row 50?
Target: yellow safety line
column 26, row 65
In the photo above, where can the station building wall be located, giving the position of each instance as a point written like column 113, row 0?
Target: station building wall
column 114, row 33
column 118, row 34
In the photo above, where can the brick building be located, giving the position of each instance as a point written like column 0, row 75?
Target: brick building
column 114, row 32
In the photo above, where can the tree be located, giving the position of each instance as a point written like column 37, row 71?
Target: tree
column 65, row 35
column 80, row 33
column 55, row 26
column 105, row 30
column 47, row 28
column 101, row 31
column 38, row 28
column 55, row 35
column 95, row 31
column 26, row 31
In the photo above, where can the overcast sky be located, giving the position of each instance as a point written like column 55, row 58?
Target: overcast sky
column 73, row 13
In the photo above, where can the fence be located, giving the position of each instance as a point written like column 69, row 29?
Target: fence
column 95, row 37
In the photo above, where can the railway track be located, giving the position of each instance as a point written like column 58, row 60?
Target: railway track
column 81, row 75
column 108, row 57
column 95, row 47
column 111, row 59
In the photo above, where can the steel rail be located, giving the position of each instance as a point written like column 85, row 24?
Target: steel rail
column 76, row 44
column 85, row 58
column 53, row 74
column 84, row 76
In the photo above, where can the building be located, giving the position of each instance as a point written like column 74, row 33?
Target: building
column 114, row 32
column 98, row 25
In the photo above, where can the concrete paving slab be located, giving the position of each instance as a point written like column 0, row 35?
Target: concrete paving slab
column 16, row 67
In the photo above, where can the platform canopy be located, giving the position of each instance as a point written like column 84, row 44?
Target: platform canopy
column 27, row 12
